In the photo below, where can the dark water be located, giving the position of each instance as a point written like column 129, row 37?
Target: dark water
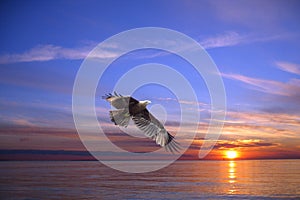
column 264, row 179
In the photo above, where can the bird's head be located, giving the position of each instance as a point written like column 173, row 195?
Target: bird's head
column 146, row 102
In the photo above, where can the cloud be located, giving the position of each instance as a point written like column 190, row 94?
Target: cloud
column 288, row 67
column 244, row 144
column 249, row 143
column 187, row 102
column 280, row 127
column 288, row 89
column 35, row 113
column 232, row 38
column 227, row 39
column 52, row 52
column 22, row 122
column 264, row 118
column 251, row 130
column 47, row 52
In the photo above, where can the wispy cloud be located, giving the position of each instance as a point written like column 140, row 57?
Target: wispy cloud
column 22, row 122
column 279, row 128
column 183, row 101
column 227, row 39
column 264, row 118
column 232, row 38
column 47, row 52
column 52, row 52
column 288, row 67
column 24, row 114
column 288, row 89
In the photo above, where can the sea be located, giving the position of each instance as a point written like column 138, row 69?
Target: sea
column 242, row 179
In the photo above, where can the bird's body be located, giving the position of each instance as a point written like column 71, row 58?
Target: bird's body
column 129, row 108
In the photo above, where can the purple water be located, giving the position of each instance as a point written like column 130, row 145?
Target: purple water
column 255, row 179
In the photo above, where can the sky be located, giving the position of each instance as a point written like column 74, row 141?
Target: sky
column 254, row 44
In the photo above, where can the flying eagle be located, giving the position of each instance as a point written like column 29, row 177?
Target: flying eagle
column 127, row 107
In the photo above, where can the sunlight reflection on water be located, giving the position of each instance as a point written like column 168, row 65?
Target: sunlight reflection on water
column 231, row 176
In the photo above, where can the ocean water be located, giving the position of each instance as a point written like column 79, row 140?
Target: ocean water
column 254, row 179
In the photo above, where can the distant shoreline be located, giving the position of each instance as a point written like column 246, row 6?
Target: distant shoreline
column 76, row 155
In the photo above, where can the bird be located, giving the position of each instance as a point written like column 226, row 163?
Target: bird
column 128, row 108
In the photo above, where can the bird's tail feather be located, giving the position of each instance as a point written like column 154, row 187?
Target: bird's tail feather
column 120, row 117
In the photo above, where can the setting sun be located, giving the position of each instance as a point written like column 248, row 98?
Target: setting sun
column 231, row 154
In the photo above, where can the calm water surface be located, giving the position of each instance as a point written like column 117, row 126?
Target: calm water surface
column 256, row 179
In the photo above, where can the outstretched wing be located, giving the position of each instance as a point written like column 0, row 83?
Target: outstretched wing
column 118, row 101
column 153, row 129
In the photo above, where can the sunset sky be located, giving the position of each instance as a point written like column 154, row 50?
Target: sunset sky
column 255, row 45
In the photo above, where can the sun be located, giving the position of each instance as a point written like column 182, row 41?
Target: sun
column 231, row 154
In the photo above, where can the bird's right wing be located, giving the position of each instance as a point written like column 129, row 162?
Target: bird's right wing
column 153, row 129
column 120, row 102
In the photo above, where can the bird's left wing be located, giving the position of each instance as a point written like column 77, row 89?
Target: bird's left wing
column 154, row 129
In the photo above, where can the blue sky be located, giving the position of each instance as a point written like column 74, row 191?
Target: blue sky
column 255, row 45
